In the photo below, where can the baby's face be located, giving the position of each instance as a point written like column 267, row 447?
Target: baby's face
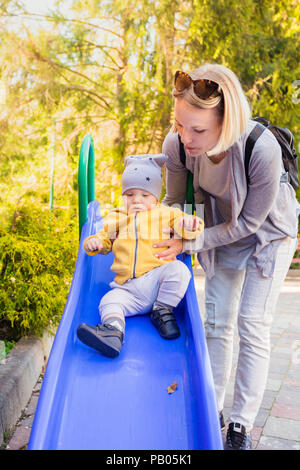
column 138, row 200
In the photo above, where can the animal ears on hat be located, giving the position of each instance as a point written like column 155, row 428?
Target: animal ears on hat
column 156, row 159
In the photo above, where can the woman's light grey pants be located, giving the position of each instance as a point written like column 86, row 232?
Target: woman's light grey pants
column 245, row 294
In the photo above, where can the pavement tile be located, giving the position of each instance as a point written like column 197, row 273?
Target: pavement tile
column 292, row 334
column 273, row 443
column 261, row 417
column 276, row 376
column 293, row 372
column 30, row 409
column 278, row 364
column 289, row 395
column 19, row 439
column 282, row 352
column 268, row 399
column 286, row 340
column 291, row 381
column 273, row 340
column 295, row 327
column 38, row 386
column 27, row 421
column 273, row 384
column 256, row 433
column 280, row 410
column 282, row 428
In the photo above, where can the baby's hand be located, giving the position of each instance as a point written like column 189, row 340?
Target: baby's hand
column 93, row 244
column 189, row 222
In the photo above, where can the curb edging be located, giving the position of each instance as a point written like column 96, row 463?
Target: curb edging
column 19, row 372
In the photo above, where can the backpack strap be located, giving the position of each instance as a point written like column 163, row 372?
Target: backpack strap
column 182, row 151
column 252, row 138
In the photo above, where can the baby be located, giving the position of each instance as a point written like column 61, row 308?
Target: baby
column 143, row 282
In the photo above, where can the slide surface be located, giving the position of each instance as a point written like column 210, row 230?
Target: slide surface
column 88, row 401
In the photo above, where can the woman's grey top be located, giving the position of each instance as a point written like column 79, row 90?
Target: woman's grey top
column 240, row 219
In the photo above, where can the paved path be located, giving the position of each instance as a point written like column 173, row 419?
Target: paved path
column 277, row 426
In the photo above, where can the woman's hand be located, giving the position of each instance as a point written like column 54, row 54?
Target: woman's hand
column 174, row 247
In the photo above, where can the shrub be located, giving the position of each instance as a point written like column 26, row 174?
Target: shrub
column 37, row 258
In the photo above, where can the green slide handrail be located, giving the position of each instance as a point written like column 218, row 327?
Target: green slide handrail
column 86, row 178
column 190, row 201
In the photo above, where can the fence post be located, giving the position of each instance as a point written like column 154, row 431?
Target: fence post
column 86, row 178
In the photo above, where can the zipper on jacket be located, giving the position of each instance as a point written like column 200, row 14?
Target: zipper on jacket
column 136, row 244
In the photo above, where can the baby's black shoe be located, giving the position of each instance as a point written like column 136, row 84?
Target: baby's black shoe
column 165, row 322
column 105, row 338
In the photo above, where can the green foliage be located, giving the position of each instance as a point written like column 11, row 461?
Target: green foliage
column 37, row 263
column 8, row 346
column 260, row 43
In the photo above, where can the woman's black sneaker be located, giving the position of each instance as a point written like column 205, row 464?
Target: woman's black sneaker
column 237, row 438
column 104, row 338
column 165, row 322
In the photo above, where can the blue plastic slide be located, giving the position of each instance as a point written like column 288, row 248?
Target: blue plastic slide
column 89, row 401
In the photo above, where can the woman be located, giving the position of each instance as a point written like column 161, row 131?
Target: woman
column 250, row 235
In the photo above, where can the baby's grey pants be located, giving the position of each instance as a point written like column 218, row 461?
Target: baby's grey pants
column 166, row 284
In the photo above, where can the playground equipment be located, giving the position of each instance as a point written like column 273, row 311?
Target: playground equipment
column 89, row 401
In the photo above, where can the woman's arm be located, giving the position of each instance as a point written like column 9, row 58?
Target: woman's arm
column 265, row 170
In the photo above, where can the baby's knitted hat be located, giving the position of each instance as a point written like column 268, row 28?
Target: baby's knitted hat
column 144, row 172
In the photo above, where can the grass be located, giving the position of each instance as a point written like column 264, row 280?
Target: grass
column 5, row 347
column 9, row 345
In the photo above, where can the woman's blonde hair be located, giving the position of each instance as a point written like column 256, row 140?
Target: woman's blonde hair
column 231, row 104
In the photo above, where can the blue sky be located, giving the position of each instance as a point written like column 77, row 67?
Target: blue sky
column 43, row 6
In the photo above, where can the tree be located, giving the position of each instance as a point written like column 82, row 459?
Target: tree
column 260, row 43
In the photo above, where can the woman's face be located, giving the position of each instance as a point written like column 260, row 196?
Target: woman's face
column 199, row 129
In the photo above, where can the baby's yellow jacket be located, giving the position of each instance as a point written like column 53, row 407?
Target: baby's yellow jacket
column 131, row 238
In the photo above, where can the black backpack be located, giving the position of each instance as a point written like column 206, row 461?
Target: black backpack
column 286, row 141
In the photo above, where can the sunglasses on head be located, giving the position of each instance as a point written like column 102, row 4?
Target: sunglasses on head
column 203, row 88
